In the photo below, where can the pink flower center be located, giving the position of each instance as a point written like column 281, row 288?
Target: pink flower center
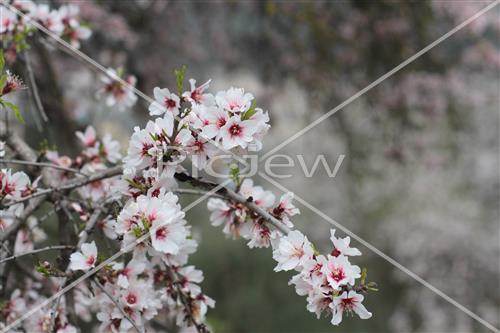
column 145, row 148
column 235, row 130
column 9, row 188
column 234, row 105
column 337, row 274
column 347, row 303
column 161, row 233
column 90, row 260
column 151, row 217
column 221, row 122
column 196, row 95
column 131, row 299
column 335, row 252
column 199, row 146
column 170, row 103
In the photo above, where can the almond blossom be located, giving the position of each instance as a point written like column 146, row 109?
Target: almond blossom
column 341, row 246
column 196, row 94
column 286, row 209
column 348, row 302
column 159, row 216
column 166, row 103
column 339, row 271
column 117, row 93
column 292, row 251
column 234, row 100
column 88, row 137
column 85, row 259
column 237, row 132
column 13, row 185
column 213, row 119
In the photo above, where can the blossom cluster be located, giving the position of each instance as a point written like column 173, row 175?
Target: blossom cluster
column 327, row 281
column 63, row 22
column 229, row 118
column 238, row 221
column 155, row 279
column 198, row 125
column 97, row 154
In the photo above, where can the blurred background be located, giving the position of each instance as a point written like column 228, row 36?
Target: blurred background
column 420, row 179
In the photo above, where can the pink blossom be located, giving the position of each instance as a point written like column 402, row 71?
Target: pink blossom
column 85, row 259
column 237, row 133
column 341, row 246
column 234, row 100
column 166, row 103
column 292, row 251
column 339, row 271
column 348, row 302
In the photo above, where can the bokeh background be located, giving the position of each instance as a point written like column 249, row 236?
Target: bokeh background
column 420, row 179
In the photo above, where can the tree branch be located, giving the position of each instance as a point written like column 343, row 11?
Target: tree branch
column 72, row 184
column 43, row 164
column 35, row 251
column 229, row 194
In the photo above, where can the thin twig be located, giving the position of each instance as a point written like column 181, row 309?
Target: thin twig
column 72, row 184
column 44, row 165
column 48, row 248
column 229, row 194
column 103, row 289
column 34, row 88
column 200, row 327
column 195, row 192
column 89, row 226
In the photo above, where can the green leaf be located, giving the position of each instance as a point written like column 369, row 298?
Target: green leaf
column 234, row 173
column 250, row 112
column 364, row 273
column 42, row 270
column 15, row 109
column 2, row 60
column 120, row 72
column 137, row 231
column 179, row 77
column 3, row 79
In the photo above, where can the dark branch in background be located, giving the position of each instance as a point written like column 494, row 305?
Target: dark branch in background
column 53, row 97
column 33, row 87
column 185, row 300
column 43, row 165
column 35, row 251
